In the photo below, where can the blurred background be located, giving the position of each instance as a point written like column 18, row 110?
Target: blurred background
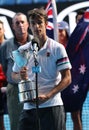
column 8, row 2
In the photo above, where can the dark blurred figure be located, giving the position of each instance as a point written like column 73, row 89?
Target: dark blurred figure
column 3, row 82
column 79, row 15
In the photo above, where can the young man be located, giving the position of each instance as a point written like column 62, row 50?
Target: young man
column 53, row 60
column 20, row 27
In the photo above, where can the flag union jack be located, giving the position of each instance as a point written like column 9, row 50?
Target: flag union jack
column 50, row 15
column 52, row 28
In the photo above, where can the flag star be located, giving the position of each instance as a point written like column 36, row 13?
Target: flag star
column 82, row 69
column 75, row 88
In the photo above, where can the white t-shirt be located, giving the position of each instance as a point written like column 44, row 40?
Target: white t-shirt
column 52, row 58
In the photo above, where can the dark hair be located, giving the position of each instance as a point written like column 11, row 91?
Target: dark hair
column 80, row 12
column 38, row 13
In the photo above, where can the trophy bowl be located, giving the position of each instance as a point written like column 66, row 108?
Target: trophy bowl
column 27, row 90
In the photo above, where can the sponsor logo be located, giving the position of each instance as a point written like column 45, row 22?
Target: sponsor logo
column 70, row 12
column 4, row 15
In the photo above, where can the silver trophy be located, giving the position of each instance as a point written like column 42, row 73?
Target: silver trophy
column 27, row 89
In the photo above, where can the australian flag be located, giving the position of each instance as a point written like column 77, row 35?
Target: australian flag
column 50, row 26
column 78, row 51
column 52, row 19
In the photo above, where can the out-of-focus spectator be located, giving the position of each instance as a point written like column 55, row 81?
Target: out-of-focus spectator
column 20, row 27
column 2, row 83
column 63, row 32
column 79, row 15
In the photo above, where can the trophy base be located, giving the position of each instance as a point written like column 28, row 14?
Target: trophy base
column 27, row 90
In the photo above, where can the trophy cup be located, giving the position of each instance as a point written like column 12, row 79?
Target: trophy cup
column 27, row 89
